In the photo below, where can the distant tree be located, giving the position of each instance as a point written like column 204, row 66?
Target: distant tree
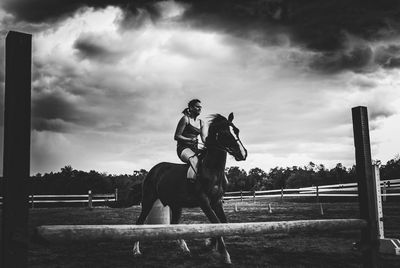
column 301, row 178
column 279, row 176
column 338, row 174
column 237, row 178
column 67, row 171
column 255, row 179
column 350, row 175
column 140, row 175
column 392, row 169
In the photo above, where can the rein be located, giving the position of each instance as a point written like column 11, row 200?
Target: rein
column 219, row 146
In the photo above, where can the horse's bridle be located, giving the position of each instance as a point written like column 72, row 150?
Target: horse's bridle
column 222, row 148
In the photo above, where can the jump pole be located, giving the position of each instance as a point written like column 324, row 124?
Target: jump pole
column 16, row 159
column 75, row 233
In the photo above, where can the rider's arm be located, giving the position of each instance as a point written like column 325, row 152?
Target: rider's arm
column 203, row 131
column 179, row 130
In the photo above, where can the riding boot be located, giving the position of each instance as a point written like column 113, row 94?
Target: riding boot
column 192, row 176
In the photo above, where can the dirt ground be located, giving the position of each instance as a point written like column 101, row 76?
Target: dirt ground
column 328, row 249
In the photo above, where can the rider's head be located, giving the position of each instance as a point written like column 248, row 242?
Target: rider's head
column 194, row 108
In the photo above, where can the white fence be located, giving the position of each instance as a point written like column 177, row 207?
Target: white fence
column 88, row 198
column 388, row 188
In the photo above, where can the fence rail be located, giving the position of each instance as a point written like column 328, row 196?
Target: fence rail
column 388, row 187
column 88, row 198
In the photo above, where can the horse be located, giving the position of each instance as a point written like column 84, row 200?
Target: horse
column 168, row 182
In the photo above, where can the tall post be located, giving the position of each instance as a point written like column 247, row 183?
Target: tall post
column 386, row 245
column 16, row 161
column 366, row 187
column 377, row 178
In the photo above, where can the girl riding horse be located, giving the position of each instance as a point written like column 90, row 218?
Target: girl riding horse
column 187, row 131
column 168, row 182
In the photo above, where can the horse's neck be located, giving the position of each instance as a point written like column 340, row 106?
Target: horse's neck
column 215, row 160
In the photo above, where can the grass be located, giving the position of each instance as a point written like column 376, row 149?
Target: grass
column 328, row 249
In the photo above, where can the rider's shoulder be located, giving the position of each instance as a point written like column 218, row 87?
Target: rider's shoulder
column 184, row 119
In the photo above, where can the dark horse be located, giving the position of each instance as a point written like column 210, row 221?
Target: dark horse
column 167, row 181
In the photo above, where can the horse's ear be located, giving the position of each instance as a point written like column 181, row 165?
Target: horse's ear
column 230, row 117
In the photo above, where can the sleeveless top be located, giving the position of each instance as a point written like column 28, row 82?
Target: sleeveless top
column 189, row 131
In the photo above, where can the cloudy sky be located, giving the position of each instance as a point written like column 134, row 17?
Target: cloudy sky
column 110, row 78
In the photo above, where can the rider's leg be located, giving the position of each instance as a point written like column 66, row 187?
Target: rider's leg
column 192, row 171
column 188, row 156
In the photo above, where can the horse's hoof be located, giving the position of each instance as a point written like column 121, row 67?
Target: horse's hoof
column 136, row 253
column 225, row 262
column 210, row 245
column 227, row 259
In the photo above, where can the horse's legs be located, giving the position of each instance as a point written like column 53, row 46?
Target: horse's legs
column 147, row 205
column 206, row 207
column 176, row 215
column 219, row 211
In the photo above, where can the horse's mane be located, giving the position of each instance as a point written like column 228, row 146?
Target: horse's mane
column 215, row 121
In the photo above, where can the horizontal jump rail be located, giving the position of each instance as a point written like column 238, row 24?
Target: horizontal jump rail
column 61, row 196
column 76, row 233
column 73, row 201
column 288, row 195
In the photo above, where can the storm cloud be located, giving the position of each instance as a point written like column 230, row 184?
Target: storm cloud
column 92, row 47
column 322, row 26
column 110, row 78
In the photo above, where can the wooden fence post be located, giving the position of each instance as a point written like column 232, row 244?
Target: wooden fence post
column 90, row 199
column 282, row 194
column 16, row 157
column 241, row 195
column 32, row 201
column 116, row 194
column 384, row 192
column 366, row 187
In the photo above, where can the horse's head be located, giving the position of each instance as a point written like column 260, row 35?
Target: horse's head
column 224, row 135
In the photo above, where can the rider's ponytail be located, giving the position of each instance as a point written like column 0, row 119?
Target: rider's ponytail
column 186, row 112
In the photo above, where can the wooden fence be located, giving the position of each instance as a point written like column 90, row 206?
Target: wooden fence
column 90, row 199
column 388, row 188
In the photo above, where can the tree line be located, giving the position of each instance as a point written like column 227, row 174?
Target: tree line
column 72, row 181
column 295, row 177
